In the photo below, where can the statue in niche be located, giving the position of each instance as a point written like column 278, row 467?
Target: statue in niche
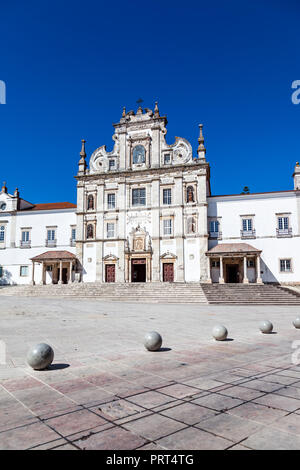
column 90, row 202
column 190, row 194
column 90, row 231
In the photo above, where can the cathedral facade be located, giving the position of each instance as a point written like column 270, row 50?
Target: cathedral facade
column 142, row 208
column 145, row 213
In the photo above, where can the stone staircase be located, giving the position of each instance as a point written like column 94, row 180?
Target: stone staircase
column 250, row 294
column 156, row 292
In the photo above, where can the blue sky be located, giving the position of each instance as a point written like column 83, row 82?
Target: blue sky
column 70, row 67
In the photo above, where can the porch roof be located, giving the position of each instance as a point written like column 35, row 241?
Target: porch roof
column 54, row 256
column 233, row 249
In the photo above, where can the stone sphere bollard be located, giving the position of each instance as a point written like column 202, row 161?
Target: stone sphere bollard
column 39, row 357
column 296, row 322
column 219, row 332
column 153, row 341
column 266, row 326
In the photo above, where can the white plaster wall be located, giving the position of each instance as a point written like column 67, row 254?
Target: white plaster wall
column 264, row 207
column 192, row 260
column 11, row 258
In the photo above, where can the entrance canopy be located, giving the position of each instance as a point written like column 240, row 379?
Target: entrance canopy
column 59, row 263
column 233, row 250
column 54, row 256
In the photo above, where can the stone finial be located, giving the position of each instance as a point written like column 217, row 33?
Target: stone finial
column 124, row 112
column 4, row 188
column 201, row 148
column 82, row 162
column 296, row 176
column 16, row 193
column 156, row 110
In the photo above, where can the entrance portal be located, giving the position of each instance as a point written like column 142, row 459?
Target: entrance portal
column 168, row 272
column 232, row 273
column 138, row 270
column 110, row 273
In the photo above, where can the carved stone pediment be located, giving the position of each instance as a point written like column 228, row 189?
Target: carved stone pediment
column 110, row 257
column 168, row 255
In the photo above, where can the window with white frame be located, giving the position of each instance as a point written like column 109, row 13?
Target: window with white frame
column 110, row 229
column 167, row 196
column 111, row 201
column 24, row 271
column 214, row 227
column 285, row 265
column 167, row 158
column 111, row 164
column 73, row 236
column 283, row 223
column 25, row 236
column 167, row 226
column 2, row 233
column 247, row 225
column 139, row 197
column 51, row 233
column 250, row 263
column 215, row 264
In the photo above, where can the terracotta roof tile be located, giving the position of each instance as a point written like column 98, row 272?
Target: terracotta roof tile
column 233, row 248
column 52, row 206
column 57, row 255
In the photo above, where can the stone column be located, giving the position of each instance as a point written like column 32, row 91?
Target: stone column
column 43, row 273
column 60, row 272
column 258, row 278
column 32, row 279
column 221, row 278
column 245, row 279
column 209, row 280
column 70, row 273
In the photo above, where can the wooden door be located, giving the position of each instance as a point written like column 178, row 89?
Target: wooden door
column 110, row 273
column 168, row 272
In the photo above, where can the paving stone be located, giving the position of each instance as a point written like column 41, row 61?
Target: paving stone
column 230, row 426
column 154, row 426
column 75, row 422
column 112, row 439
column 27, row 436
column 178, row 391
column 271, row 438
column 259, row 413
column 188, row 413
column 280, row 402
column 217, row 402
column 150, row 400
column 241, row 392
column 193, row 439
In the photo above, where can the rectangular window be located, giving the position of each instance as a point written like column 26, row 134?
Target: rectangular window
column 25, row 236
column 110, row 230
column 139, row 197
column 247, row 225
column 50, row 235
column 23, row 271
column 250, row 263
column 285, row 265
column 2, row 233
column 167, row 196
column 1, row 271
column 167, row 223
column 283, row 223
column 214, row 226
column 73, row 234
column 111, row 201
column 111, row 164
column 167, row 158
column 215, row 264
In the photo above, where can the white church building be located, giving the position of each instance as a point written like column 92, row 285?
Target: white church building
column 145, row 213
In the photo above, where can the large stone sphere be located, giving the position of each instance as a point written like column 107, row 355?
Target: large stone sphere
column 153, row 341
column 296, row 322
column 39, row 357
column 266, row 326
column 219, row 332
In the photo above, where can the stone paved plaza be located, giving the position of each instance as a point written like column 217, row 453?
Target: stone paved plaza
column 105, row 391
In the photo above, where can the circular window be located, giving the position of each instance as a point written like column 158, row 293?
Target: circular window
column 3, row 206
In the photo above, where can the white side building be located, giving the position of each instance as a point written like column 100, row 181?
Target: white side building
column 37, row 241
